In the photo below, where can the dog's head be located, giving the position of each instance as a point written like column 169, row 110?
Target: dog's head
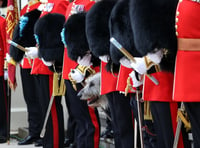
column 91, row 92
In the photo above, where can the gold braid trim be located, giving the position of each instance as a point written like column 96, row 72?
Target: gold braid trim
column 128, row 86
column 58, row 85
column 147, row 111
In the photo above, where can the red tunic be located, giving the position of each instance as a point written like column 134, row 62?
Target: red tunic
column 122, row 79
column 187, row 72
column 108, row 80
column 3, row 46
column 68, row 64
column 161, row 92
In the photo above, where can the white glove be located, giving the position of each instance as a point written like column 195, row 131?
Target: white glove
column 104, row 58
column 77, row 75
column 5, row 75
column 8, row 57
column 41, row 7
column 139, row 65
column 85, row 60
column 136, row 82
column 47, row 63
column 32, row 52
column 156, row 57
column 125, row 62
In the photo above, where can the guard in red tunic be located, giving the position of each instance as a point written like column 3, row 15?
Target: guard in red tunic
column 23, row 35
column 186, row 88
column 97, row 32
column 87, row 133
column 3, row 96
column 54, row 135
column 120, row 30
column 154, row 37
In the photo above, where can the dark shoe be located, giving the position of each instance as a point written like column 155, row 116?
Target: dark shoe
column 67, row 142
column 3, row 139
column 38, row 143
column 28, row 140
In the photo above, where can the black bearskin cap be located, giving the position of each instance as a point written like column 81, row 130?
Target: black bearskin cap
column 153, row 25
column 97, row 30
column 24, row 35
column 120, row 29
column 47, row 33
column 5, row 2
column 75, row 36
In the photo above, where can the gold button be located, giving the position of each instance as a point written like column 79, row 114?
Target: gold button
column 176, row 33
column 180, row 1
column 176, row 26
column 177, row 13
column 176, row 19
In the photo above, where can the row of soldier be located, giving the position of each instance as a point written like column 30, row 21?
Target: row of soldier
column 60, row 35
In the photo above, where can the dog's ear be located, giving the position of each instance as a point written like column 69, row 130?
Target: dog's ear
column 47, row 32
column 120, row 29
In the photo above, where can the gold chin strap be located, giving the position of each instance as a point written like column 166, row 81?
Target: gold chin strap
column 58, row 85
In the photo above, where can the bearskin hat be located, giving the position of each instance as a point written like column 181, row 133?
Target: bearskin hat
column 24, row 33
column 97, row 30
column 120, row 29
column 47, row 33
column 75, row 36
column 4, row 3
column 153, row 25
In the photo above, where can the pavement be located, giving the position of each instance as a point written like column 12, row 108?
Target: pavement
column 13, row 144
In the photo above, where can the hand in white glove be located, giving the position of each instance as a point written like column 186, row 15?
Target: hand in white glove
column 104, row 58
column 32, row 52
column 136, row 82
column 8, row 57
column 47, row 63
column 125, row 62
column 139, row 65
column 5, row 75
column 77, row 75
column 85, row 60
column 156, row 57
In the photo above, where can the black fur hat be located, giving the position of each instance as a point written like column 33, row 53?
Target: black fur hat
column 153, row 24
column 5, row 2
column 75, row 36
column 47, row 33
column 23, row 33
column 120, row 29
column 97, row 30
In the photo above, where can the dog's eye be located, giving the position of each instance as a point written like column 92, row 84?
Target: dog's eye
column 91, row 84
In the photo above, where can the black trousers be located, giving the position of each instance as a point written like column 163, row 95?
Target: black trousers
column 163, row 124
column 87, row 131
column 193, row 111
column 122, row 120
column 29, row 86
column 54, row 135
column 3, row 108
